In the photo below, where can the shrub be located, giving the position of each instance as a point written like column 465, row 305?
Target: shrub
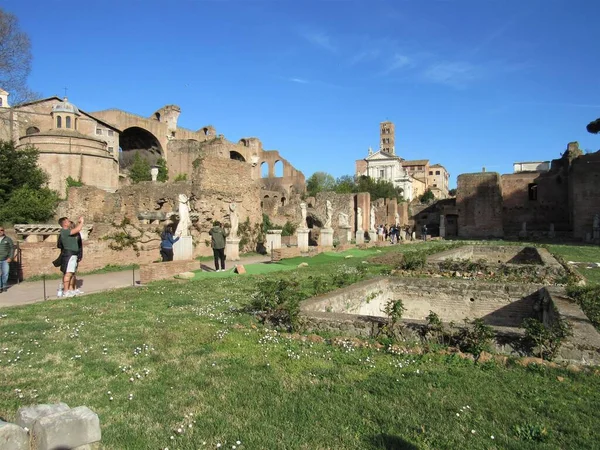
column 475, row 337
column 72, row 182
column 413, row 261
column 545, row 340
column 289, row 229
column 277, row 302
column 588, row 297
column 139, row 169
column 181, row 177
column 163, row 172
column 392, row 329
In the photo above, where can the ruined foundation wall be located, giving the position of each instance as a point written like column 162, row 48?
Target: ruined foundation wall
column 584, row 193
column 479, row 205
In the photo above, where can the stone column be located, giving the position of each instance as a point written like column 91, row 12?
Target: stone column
column 183, row 249
column 273, row 240
column 326, row 237
column 232, row 249
column 303, row 239
column 442, row 226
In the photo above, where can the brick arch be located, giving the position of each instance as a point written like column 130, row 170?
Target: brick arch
column 141, row 141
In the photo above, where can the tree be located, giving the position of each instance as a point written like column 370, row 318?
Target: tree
column 139, row 169
column 15, row 59
column 163, row 172
column 345, row 185
column 319, row 182
column 378, row 188
column 452, row 192
column 427, row 196
column 24, row 195
column 594, row 127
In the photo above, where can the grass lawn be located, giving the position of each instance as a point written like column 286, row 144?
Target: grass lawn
column 186, row 356
column 580, row 253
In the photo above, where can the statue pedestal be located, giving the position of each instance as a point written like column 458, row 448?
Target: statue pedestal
column 345, row 235
column 232, row 249
column 373, row 235
column 183, row 249
column 326, row 237
column 360, row 236
column 303, row 239
column 273, row 241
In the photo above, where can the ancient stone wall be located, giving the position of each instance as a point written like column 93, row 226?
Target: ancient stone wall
column 479, row 205
column 584, row 193
column 341, row 203
column 363, row 200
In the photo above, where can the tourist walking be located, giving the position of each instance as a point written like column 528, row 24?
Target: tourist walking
column 424, row 232
column 218, row 235
column 166, row 244
column 71, row 254
column 7, row 253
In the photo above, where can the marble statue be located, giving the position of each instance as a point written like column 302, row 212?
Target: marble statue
column 303, row 223
column 183, row 227
column 343, row 220
column 373, row 218
column 359, row 218
column 328, row 214
column 154, row 173
column 234, row 220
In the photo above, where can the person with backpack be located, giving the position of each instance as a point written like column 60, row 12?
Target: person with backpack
column 218, row 235
column 69, row 241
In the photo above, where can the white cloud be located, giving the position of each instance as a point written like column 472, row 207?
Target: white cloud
column 299, row 80
column 398, row 62
column 320, row 39
column 456, row 74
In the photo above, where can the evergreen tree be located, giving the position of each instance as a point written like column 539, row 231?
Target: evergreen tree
column 140, row 169
column 163, row 172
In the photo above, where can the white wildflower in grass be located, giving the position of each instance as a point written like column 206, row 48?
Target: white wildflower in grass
column 472, row 431
column 492, row 436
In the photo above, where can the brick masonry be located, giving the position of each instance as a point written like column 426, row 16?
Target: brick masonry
column 164, row 270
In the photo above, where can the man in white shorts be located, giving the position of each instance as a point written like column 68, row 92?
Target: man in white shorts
column 71, row 248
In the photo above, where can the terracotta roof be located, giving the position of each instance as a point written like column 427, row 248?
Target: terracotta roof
column 438, row 165
column 416, row 162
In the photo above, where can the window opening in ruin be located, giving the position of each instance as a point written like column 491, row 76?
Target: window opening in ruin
column 264, row 169
column 157, row 116
column 278, row 169
column 236, row 156
column 532, row 189
column 381, row 174
column 266, row 196
column 58, row 122
column 98, row 131
column 172, row 134
column 68, row 122
column 32, row 130
column 111, row 132
column 282, row 201
column 437, row 172
column 431, row 172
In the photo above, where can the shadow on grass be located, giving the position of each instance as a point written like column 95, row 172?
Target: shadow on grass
column 390, row 442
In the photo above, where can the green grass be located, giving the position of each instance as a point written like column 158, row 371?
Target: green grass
column 106, row 269
column 580, row 253
column 203, row 361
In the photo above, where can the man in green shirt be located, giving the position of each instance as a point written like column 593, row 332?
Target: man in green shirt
column 70, row 244
column 7, row 252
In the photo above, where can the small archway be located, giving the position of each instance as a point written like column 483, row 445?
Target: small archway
column 236, row 156
column 278, row 169
column 32, row 130
column 264, row 169
column 157, row 116
column 58, row 122
column 266, row 196
column 243, row 142
column 283, row 199
column 68, row 122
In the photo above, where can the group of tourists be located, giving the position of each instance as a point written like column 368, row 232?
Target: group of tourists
column 218, row 234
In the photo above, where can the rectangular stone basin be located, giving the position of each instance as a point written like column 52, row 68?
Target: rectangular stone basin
column 500, row 304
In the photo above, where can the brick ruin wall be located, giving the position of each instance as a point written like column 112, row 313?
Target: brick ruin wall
column 584, row 193
column 479, row 205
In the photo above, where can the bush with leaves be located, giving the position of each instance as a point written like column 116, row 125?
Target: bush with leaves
column 475, row 337
column 163, row 171
column 427, row 196
column 289, row 229
column 413, row 260
column 545, row 341
column 277, row 302
column 588, row 297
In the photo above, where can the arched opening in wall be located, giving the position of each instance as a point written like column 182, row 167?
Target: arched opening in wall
column 205, row 131
column 237, row 156
column 32, row 130
column 68, row 122
column 282, row 201
column 264, row 169
column 278, row 169
column 243, row 142
column 266, row 196
column 136, row 140
column 58, row 122
column 76, row 122
column 157, row 116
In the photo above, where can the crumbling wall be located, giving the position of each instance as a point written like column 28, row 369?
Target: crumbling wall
column 584, row 193
column 479, row 205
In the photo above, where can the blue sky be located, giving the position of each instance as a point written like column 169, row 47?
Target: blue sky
column 467, row 83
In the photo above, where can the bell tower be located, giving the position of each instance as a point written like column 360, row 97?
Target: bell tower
column 387, row 136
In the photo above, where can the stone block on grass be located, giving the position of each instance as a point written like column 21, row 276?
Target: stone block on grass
column 186, row 275
column 240, row 269
column 70, row 429
column 27, row 415
column 13, row 437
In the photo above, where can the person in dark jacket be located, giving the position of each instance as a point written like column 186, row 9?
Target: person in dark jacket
column 7, row 253
column 218, row 235
column 71, row 254
column 166, row 244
